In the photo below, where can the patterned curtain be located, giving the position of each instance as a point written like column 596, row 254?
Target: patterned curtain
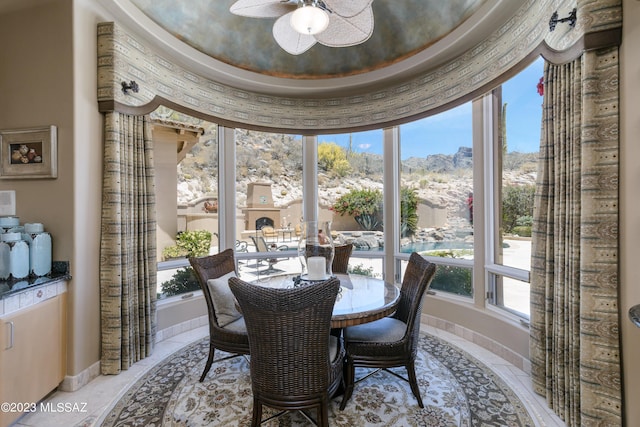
column 574, row 346
column 128, row 243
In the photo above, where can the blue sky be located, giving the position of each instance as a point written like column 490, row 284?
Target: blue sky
column 444, row 133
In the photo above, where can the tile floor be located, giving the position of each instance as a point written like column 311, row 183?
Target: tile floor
column 87, row 406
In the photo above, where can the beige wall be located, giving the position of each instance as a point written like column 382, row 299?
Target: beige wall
column 630, row 205
column 88, row 149
column 166, row 174
column 49, row 77
column 36, row 88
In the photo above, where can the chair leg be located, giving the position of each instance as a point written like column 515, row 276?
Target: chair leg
column 413, row 382
column 212, row 350
column 323, row 415
column 257, row 413
column 349, row 378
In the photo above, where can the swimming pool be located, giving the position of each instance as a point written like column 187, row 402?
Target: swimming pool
column 425, row 246
column 431, row 246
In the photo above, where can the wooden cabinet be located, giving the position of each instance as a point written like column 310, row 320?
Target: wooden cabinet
column 32, row 353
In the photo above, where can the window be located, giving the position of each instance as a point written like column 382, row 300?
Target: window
column 436, row 195
column 186, row 162
column 435, row 164
column 515, row 159
column 350, row 195
column 268, row 201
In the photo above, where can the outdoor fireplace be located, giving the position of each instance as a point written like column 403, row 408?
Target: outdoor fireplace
column 263, row 222
column 260, row 210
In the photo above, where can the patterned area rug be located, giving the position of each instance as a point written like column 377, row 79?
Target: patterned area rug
column 457, row 390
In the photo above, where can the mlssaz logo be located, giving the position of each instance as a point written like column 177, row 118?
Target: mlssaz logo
column 63, row 407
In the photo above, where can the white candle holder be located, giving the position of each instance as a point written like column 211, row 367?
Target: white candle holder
column 316, row 251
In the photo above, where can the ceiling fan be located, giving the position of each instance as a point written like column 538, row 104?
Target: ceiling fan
column 302, row 23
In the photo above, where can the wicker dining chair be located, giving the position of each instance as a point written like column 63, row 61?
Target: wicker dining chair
column 295, row 363
column 391, row 341
column 227, row 331
column 341, row 258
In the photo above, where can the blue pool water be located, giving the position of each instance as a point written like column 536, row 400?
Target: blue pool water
column 430, row 246
column 426, row 246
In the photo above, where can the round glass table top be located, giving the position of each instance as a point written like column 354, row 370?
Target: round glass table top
column 361, row 299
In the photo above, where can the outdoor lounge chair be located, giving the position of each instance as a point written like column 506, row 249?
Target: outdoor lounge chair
column 262, row 246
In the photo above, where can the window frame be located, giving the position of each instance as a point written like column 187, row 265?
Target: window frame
column 486, row 290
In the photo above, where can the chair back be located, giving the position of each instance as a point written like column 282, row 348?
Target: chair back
column 260, row 243
column 289, row 333
column 341, row 257
column 417, row 279
column 212, row 267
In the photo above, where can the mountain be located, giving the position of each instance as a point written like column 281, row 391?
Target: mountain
column 439, row 179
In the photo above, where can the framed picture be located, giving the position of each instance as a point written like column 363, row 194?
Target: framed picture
column 29, row 153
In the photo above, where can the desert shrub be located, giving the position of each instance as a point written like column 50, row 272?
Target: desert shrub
column 455, row 280
column 184, row 280
column 189, row 243
column 174, row 251
column 366, row 208
column 364, row 205
column 522, row 230
column 361, row 270
column 408, row 212
column 332, row 158
column 517, row 206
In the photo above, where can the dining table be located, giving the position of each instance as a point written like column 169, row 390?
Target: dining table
column 361, row 299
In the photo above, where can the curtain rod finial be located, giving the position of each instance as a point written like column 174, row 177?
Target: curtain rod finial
column 132, row 85
column 571, row 19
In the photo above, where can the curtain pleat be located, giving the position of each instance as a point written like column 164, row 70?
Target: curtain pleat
column 128, row 244
column 574, row 352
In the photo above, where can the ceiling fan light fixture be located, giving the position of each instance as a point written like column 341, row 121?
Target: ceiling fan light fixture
column 309, row 18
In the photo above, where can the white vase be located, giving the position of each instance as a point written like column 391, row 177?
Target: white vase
column 14, row 257
column 39, row 249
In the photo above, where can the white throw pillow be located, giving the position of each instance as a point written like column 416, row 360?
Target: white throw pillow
column 224, row 303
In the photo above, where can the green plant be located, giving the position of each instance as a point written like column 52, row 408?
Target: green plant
column 189, row 243
column 455, row 280
column 408, row 212
column 184, row 280
column 517, row 206
column 332, row 158
column 363, row 205
column 173, row 252
column 522, row 230
column 361, row 270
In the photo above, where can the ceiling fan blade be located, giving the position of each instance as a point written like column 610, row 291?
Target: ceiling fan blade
column 343, row 32
column 261, row 8
column 289, row 39
column 347, row 9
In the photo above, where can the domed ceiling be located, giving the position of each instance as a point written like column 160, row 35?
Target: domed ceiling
column 409, row 37
column 402, row 28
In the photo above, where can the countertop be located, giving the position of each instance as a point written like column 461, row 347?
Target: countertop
column 59, row 272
